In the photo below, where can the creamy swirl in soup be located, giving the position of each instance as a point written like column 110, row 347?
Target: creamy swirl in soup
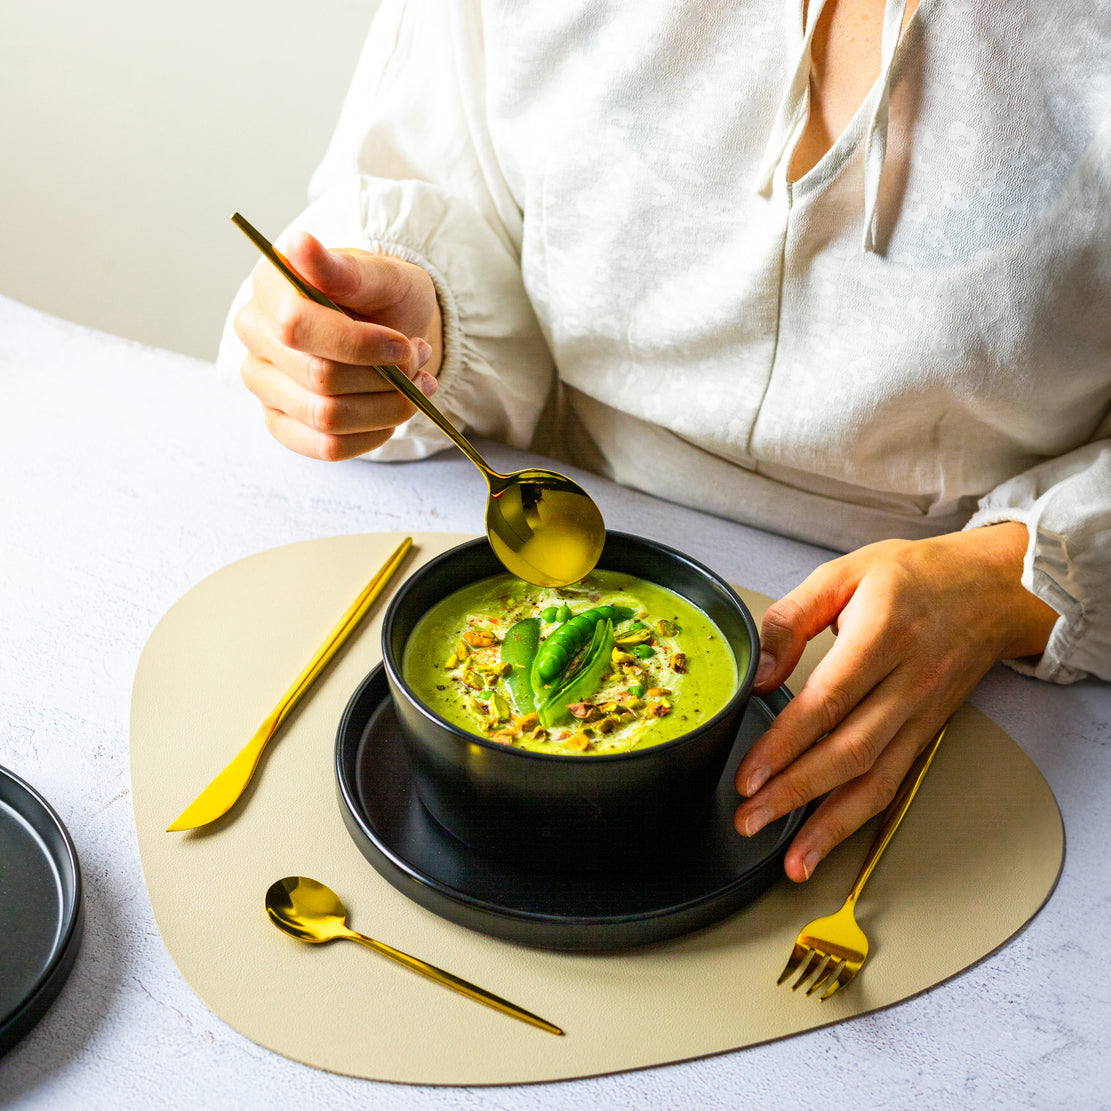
column 609, row 664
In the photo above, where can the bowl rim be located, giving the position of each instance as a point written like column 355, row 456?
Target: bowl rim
column 742, row 692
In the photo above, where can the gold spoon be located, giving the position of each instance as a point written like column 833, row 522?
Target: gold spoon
column 312, row 912
column 543, row 527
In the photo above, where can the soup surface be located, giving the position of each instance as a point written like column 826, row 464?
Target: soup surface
column 606, row 665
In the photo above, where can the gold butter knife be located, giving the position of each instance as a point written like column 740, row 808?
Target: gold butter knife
column 221, row 794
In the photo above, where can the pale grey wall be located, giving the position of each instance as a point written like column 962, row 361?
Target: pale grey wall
column 130, row 131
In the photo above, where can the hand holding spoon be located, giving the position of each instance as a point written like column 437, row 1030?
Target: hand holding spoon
column 312, row 912
column 543, row 527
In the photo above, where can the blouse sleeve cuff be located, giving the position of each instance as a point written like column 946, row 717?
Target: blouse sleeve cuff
column 1047, row 573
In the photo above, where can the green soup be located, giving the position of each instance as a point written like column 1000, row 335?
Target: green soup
column 609, row 664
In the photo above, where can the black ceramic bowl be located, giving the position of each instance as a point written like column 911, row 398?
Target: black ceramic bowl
column 567, row 812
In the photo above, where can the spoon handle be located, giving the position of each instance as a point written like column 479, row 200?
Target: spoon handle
column 447, row 980
column 403, row 384
column 392, row 374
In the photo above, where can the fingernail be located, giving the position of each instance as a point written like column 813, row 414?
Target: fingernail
column 422, row 352
column 398, row 352
column 757, row 820
column 757, row 780
column 426, row 383
column 810, row 862
column 765, row 668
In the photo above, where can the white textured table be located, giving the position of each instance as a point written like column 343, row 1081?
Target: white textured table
column 127, row 474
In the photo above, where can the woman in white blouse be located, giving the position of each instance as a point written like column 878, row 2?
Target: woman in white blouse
column 841, row 272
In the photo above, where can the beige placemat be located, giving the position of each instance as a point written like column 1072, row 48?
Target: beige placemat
column 976, row 857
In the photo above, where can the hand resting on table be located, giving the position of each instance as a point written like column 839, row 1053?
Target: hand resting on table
column 918, row 623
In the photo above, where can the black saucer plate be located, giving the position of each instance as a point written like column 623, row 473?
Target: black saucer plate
column 705, row 879
column 41, row 907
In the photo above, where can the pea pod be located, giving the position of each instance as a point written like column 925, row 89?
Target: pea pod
column 583, row 680
column 518, row 649
column 565, row 642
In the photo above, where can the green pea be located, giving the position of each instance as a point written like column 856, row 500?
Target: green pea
column 550, row 614
column 549, row 668
column 643, row 651
column 563, row 613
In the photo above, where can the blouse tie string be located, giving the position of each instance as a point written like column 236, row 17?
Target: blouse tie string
column 794, row 107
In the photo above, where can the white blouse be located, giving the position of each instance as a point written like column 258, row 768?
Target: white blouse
column 912, row 338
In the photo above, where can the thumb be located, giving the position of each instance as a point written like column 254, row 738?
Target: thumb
column 798, row 617
column 334, row 273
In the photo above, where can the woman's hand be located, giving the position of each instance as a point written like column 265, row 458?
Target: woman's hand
column 918, row 623
column 313, row 368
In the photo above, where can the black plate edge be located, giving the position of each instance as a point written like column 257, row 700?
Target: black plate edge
column 594, row 933
column 44, row 819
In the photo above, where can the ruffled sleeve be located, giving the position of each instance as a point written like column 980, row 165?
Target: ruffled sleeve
column 1065, row 504
column 410, row 172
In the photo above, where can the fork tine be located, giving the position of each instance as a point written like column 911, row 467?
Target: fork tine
column 832, row 969
column 821, row 972
column 798, row 955
column 812, row 964
column 844, row 975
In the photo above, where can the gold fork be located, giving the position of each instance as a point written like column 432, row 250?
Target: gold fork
column 833, row 949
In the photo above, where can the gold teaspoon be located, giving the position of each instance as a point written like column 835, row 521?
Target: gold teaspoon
column 545, row 528
column 308, row 910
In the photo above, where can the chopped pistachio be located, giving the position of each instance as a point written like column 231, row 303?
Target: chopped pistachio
column 479, row 638
column 498, row 707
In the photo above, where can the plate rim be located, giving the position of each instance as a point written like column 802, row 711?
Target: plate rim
column 34, row 809
column 774, row 702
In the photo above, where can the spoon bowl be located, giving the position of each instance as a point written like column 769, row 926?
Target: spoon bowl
column 309, row 911
column 544, row 528
column 306, row 909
